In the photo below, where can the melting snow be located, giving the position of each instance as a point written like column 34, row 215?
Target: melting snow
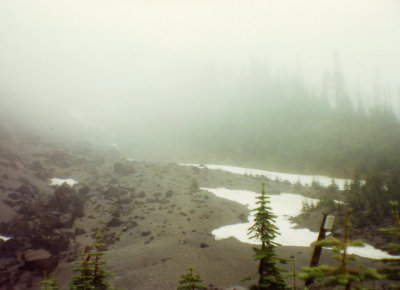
column 60, row 181
column 292, row 178
column 4, row 238
column 284, row 206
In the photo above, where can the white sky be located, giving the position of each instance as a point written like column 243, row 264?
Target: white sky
column 114, row 54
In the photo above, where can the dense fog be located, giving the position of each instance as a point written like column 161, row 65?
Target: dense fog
column 150, row 75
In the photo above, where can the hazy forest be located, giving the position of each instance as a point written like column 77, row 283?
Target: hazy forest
column 113, row 114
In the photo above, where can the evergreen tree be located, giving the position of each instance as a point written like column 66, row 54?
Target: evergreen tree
column 194, row 187
column 91, row 273
column 49, row 283
column 263, row 229
column 393, row 271
column 340, row 275
column 83, row 280
column 190, row 281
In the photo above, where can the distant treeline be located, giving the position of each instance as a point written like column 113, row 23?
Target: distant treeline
column 370, row 199
column 283, row 126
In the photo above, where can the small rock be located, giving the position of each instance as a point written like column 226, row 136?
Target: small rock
column 114, row 222
column 79, row 231
column 169, row 194
column 39, row 261
column 204, row 245
column 123, row 169
column 243, row 218
column 13, row 196
column 84, row 191
column 26, row 190
column 133, row 224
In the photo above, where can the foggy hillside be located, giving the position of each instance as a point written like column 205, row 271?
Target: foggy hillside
column 207, row 80
column 116, row 95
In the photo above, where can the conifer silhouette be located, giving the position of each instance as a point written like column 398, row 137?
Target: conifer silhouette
column 91, row 273
column 393, row 271
column 48, row 283
column 190, row 281
column 270, row 277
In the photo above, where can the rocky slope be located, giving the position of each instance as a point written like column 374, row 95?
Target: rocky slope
column 154, row 219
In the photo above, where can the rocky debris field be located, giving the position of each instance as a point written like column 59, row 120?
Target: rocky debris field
column 151, row 215
column 154, row 218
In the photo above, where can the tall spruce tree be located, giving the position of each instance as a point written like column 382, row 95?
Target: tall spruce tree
column 263, row 229
column 91, row 275
column 393, row 271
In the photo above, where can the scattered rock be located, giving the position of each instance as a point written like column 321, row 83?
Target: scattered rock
column 164, row 260
column 111, row 192
column 169, row 194
column 133, row 224
column 204, row 245
column 66, row 200
column 9, row 202
column 67, row 220
column 141, row 195
column 12, row 246
column 79, row 231
column 61, row 159
column 123, row 169
column 113, row 181
column 37, row 165
column 39, row 261
column 243, row 218
column 14, row 196
column 50, row 222
column 43, row 174
column 149, row 240
column 84, row 191
column 55, row 244
column 114, row 222
column 26, row 191
column 110, row 238
column 146, row 233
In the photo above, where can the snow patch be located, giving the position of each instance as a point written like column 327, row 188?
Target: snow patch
column 60, row 181
column 4, row 238
column 292, row 178
column 284, row 206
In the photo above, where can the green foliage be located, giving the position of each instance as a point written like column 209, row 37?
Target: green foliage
column 264, row 230
column 393, row 271
column 194, row 187
column 91, row 273
column 340, row 275
column 307, row 206
column 190, row 281
column 370, row 200
column 48, row 283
